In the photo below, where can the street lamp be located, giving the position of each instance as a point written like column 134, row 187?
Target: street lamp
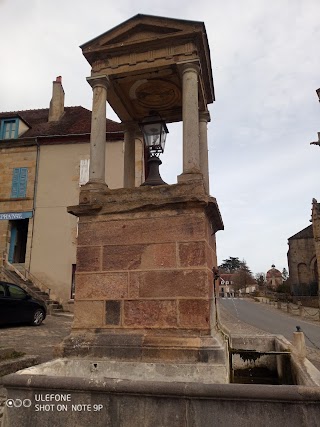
column 317, row 142
column 154, row 132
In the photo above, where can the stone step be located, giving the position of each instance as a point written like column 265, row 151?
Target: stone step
column 65, row 314
column 9, row 366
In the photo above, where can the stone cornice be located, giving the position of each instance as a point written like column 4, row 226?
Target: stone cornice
column 99, row 81
column 139, row 199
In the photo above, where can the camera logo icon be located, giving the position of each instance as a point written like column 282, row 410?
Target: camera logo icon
column 17, row 403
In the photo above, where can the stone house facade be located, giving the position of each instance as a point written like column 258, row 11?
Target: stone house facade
column 229, row 288
column 44, row 160
column 303, row 258
column 226, row 288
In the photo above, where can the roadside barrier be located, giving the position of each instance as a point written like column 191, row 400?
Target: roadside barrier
column 294, row 309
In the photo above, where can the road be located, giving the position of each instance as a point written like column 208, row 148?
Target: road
column 271, row 320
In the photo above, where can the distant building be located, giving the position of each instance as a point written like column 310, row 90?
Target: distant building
column 304, row 256
column 229, row 288
column 274, row 277
column 226, row 288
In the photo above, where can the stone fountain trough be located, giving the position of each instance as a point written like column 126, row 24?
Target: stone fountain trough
column 83, row 392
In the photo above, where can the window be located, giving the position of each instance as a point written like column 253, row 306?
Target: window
column 9, row 128
column 16, row 292
column 19, row 183
column 84, row 172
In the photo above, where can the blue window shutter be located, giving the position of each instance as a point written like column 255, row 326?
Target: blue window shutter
column 19, row 182
column 1, row 129
column 15, row 183
column 23, row 182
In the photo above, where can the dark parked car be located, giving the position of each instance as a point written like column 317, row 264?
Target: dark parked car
column 17, row 306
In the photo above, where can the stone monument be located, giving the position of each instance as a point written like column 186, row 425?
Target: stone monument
column 144, row 349
column 144, row 282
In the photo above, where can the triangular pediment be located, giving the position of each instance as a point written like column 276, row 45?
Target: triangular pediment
column 140, row 28
column 139, row 32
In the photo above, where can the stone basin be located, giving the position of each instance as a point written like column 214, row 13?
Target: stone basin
column 84, row 392
column 132, row 371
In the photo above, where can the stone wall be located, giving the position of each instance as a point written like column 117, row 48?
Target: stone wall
column 302, row 259
column 316, row 234
column 144, row 276
column 147, row 270
column 110, row 402
column 11, row 158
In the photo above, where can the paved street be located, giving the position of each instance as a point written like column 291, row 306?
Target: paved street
column 273, row 321
column 37, row 340
column 245, row 316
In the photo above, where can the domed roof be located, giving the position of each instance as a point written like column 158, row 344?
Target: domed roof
column 273, row 272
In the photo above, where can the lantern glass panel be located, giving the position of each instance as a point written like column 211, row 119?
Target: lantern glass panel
column 154, row 133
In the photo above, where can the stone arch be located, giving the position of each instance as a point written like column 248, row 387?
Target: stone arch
column 314, row 269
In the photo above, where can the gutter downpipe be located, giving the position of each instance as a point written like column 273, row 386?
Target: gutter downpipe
column 35, row 187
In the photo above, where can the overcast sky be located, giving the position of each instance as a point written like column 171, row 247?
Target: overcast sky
column 266, row 67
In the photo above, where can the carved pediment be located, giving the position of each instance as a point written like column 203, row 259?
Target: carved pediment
column 140, row 28
column 140, row 32
column 141, row 57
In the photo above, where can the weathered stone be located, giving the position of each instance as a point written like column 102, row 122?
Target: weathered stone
column 192, row 254
column 133, row 257
column 134, row 283
column 172, row 284
column 142, row 231
column 89, row 314
column 89, row 258
column 113, row 312
column 101, row 285
column 149, row 313
column 194, row 313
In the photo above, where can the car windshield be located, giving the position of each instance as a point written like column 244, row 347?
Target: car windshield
column 2, row 291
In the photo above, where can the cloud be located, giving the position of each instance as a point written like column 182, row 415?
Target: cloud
column 265, row 65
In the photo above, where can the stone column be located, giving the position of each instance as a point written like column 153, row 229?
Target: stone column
column 98, row 129
column 190, row 117
column 129, row 155
column 204, row 118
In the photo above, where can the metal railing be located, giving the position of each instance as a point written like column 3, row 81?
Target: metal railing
column 25, row 275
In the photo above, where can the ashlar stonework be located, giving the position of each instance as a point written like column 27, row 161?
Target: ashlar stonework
column 145, row 261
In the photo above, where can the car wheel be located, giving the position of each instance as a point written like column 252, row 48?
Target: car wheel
column 38, row 317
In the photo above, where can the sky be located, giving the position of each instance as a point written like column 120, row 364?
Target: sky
column 266, row 69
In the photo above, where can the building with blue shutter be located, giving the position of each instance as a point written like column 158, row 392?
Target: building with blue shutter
column 44, row 159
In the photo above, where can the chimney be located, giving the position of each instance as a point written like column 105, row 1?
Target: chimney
column 56, row 108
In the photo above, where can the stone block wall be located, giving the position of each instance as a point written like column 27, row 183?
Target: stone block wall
column 300, row 256
column 150, row 270
column 11, row 158
column 16, row 158
column 316, row 234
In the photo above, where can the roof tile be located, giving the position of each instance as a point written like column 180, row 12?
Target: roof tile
column 74, row 121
